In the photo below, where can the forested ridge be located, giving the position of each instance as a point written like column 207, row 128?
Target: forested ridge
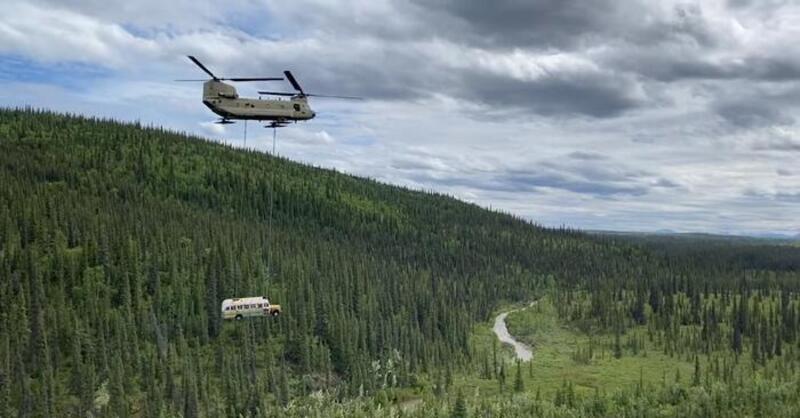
column 118, row 242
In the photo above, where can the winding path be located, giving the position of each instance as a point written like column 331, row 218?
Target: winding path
column 522, row 351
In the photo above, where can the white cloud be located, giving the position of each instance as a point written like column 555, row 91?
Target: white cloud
column 55, row 34
column 212, row 128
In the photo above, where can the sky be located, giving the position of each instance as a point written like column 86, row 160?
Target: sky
column 632, row 115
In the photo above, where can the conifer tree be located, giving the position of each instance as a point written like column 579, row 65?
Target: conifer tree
column 696, row 375
column 518, row 384
column 460, row 407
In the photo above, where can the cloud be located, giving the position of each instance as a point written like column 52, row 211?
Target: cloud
column 750, row 114
column 154, row 16
column 779, row 140
column 782, row 144
column 575, row 183
column 589, row 94
column 214, row 129
column 584, row 155
column 780, row 196
column 592, row 176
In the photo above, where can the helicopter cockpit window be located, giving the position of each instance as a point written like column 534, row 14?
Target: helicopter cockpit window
column 297, row 107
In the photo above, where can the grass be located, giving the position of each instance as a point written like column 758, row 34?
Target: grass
column 555, row 362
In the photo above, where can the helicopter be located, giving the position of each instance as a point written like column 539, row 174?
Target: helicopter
column 223, row 100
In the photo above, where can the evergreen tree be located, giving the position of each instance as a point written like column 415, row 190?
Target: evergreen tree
column 501, row 376
column 518, row 384
column 696, row 375
column 460, row 407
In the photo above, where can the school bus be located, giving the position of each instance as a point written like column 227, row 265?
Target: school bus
column 240, row 308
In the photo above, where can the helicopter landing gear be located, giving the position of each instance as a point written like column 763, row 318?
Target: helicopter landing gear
column 276, row 124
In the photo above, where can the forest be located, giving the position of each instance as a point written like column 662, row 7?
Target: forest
column 118, row 243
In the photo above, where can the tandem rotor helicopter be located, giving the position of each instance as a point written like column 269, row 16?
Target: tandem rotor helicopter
column 223, row 100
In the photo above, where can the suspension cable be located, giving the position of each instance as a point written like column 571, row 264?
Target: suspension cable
column 245, row 133
column 271, row 202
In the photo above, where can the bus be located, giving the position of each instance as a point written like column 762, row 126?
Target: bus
column 240, row 308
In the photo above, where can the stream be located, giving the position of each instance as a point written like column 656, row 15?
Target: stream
column 522, row 351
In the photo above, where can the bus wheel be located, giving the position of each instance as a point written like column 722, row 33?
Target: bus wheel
column 238, row 317
column 276, row 313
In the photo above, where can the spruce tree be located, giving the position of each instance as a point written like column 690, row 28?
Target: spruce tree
column 460, row 407
column 518, row 384
column 696, row 375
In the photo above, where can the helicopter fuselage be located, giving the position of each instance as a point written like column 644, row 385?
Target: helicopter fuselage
column 223, row 100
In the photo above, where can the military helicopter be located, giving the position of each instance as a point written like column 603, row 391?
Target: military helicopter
column 223, row 100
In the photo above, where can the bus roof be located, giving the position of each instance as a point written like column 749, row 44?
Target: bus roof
column 252, row 299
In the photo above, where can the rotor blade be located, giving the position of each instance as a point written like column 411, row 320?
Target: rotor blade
column 277, row 93
column 191, row 80
column 253, row 79
column 335, row 97
column 202, row 67
column 294, row 82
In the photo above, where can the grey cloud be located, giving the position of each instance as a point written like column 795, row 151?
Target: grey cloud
column 778, row 144
column 593, row 177
column 544, row 23
column 633, row 36
column 670, row 63
column 666, row 183
column 349, row 53
column 563, row 23
column 784, row 172
column 416, row 163
column 584, row 155
column 772, row 68
column 786, row 197
column 532, row 180
column 589, row 94
column 762, row 4
column 749, row 114
column 145, row 15
column 677, row 62
column 631, row 43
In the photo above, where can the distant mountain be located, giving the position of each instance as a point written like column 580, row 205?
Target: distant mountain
column 702, row 235
column 777, row 236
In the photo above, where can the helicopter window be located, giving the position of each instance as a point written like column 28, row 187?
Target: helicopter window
column 297, row 107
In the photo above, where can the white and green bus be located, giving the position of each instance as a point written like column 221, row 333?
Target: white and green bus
column 240, row 308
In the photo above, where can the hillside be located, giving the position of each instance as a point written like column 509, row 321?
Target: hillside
column 117, row 244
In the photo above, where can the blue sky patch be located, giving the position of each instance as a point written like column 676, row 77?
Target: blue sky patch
column 15, row 68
